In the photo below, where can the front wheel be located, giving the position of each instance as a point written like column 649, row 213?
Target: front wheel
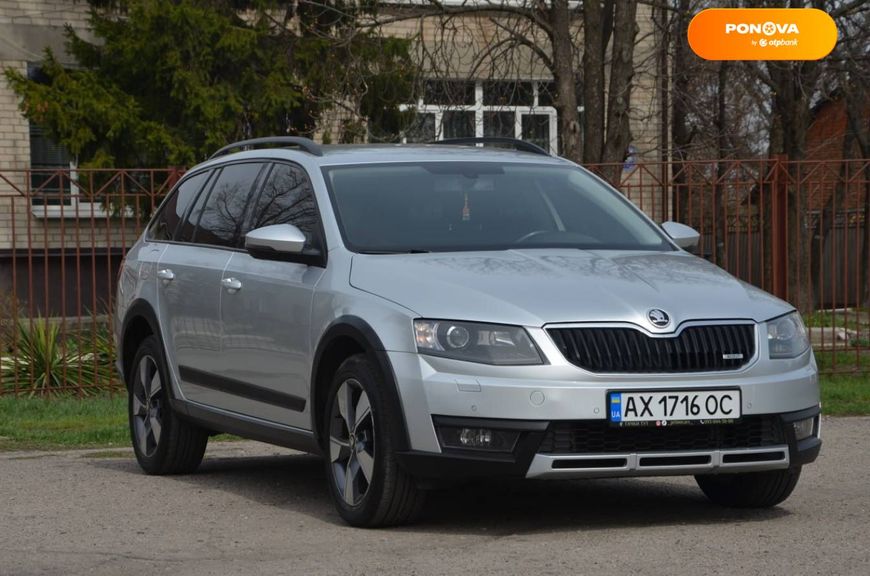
column 367, row 484
column 750, row 489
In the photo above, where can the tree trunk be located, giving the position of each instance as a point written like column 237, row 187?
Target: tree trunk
column 721, row 145
column 865, row 244
column 661, row 18
column 679, row 117
column 794, row 83
column 566, row 86
column 593, row 82
column 826, row 218
column 859, row 126
column 618, row 131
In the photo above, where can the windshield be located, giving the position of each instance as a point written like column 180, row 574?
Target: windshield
column 451, row 206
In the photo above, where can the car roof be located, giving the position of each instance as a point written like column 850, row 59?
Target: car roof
column 343, row 154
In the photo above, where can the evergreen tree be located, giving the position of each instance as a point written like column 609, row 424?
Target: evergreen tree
column 167, row 82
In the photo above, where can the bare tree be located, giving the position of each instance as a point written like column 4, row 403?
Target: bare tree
column 794, row 87
column 549, row 36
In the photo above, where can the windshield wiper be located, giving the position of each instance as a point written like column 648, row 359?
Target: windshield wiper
column 411, row 251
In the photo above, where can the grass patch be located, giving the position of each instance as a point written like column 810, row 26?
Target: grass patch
column 831, row 319
column 846, row 395
column 842, row 360
column 101, row 421
column 63, row 422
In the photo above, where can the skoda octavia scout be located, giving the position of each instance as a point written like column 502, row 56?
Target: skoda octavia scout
column 416, row 313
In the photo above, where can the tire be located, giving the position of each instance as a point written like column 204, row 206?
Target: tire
column 367, row 484
column 163, row 443
column 750, row 489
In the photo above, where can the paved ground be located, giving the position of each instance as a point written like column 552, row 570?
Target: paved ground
column 258, row 510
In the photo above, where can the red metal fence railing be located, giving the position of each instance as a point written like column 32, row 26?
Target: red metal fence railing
column 63, row 234
column 796, row 229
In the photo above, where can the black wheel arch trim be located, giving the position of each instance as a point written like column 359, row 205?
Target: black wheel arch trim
column 141, row 308
column 365, row 336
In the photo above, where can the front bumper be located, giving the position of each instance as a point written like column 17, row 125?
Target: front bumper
column 559, row 391
column 765, row 443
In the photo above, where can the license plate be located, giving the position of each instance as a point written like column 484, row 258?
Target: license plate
column 674, row 407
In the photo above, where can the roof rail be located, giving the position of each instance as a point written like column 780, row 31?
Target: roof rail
column 520, row 145
column 305, row 144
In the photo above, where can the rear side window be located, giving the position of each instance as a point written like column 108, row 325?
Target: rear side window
column 287, row 198
column 223, row 213
column 188, row 226
column 166, row 223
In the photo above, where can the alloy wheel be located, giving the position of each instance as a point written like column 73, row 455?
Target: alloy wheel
column 147, row 406
column 352, row 442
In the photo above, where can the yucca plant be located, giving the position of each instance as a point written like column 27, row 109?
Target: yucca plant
column 42, row 365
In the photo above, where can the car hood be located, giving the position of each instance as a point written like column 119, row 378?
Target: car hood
column 541, row 286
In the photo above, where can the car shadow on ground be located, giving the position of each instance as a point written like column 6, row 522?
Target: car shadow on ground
column 493, row 507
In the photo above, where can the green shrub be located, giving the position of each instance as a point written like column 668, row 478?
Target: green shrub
column 43, row 363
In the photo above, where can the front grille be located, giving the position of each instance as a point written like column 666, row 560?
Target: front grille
column 598, row 437
column 709, row 348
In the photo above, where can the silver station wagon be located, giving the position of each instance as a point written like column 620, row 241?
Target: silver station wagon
column 425, row 313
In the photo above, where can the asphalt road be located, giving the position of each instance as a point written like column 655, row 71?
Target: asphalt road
column 254, row 509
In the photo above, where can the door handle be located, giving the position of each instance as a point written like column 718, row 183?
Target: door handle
column 232, row 285
column 166, row 274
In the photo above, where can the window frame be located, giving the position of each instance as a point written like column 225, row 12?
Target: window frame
column 479, row 108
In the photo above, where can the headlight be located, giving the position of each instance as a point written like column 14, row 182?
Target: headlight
column 474, row 342
column 786, row 336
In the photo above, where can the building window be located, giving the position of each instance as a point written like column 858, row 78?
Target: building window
column 457, row 124
column 486, row 108
column 54, row 188
column 50, row 170
column 536, row 129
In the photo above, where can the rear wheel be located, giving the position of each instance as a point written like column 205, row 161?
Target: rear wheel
column 750, row 489
column 367, row 484
column 163, row 443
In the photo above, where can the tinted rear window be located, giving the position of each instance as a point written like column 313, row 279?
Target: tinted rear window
column 165, row 224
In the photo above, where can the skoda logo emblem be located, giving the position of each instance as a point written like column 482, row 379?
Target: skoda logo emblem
column 658, row 318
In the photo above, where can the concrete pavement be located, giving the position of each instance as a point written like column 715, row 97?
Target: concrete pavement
column 255, row 509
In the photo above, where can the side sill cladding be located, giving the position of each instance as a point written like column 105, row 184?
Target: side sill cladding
column 364, row 336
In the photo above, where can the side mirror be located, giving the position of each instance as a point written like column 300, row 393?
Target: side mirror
column 683, row 236
column 275, row 241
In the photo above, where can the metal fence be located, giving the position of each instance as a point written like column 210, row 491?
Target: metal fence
column 63, row 234
column 796, row 229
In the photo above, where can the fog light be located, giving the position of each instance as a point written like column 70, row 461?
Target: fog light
column 468, row 438
column 475, row 437
column 804, row 428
